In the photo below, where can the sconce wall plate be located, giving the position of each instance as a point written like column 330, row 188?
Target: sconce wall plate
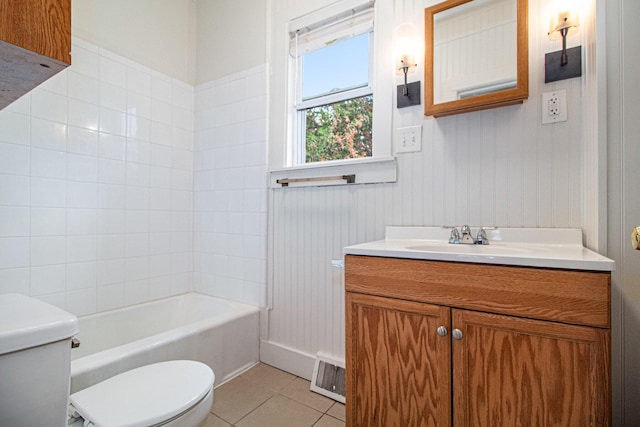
column 412, row 98
column 553, row 71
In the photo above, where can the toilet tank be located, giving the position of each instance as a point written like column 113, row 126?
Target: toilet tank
column 35, row 362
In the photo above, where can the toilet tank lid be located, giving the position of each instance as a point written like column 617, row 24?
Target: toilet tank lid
column 145, row 396
column 27, row 322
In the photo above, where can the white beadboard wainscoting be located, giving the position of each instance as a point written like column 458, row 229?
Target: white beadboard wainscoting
column 498, row 167
column 471, row 171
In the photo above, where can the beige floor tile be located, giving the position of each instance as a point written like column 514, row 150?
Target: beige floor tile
column 327, row 421
column 299, row 390
column 213, row 421
column 280, row 411
column 337, row 411
column 268, row 377
column 237, row 398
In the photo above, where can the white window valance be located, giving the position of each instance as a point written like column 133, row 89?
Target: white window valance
column 308, row 36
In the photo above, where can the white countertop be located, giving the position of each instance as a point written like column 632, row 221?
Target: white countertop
column 531, row 247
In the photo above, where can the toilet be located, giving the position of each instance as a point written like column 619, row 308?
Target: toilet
column 173, row 393
column 35, row 373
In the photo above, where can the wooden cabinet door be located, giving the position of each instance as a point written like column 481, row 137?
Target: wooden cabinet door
column 398, row 367
column 510, row 371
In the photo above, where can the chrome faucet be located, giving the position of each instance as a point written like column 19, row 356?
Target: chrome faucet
column 464, row 236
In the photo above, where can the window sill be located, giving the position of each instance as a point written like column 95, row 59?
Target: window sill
column 366, row 171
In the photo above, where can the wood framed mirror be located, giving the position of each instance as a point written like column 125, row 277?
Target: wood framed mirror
column 476, row 55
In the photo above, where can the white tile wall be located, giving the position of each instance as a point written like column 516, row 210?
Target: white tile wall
column 96, row 189
column 14, row 253
column 230, row 196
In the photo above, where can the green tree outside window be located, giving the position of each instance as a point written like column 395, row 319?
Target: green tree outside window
column 339, row 131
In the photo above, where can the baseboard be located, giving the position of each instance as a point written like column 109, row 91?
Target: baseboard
column 288, row 359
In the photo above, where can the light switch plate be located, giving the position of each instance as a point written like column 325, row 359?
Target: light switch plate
column 554, row 106
column 409, row 139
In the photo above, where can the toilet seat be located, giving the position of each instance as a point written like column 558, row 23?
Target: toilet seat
column 146, row 396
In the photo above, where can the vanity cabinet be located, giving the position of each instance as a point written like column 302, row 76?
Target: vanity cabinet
column 35, row 44
column 433, row 343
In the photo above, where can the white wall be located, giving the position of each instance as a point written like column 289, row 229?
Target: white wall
column 497, row 167
column 96, row 185
column 231, row 37
column 159, row 34
column 623, row 38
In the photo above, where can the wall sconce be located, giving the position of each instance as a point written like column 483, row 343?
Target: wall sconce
column 407, row 94
column 567, row 63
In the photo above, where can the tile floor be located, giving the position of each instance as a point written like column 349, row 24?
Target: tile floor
column 265, row 396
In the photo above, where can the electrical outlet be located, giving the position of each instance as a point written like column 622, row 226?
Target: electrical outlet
column 409, row 139
column 554, row 106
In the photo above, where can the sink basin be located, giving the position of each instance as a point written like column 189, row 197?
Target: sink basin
column 487, row 250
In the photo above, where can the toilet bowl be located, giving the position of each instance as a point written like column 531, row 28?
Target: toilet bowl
column 35, row 365
column 172, row 393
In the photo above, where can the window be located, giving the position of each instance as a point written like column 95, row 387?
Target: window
column 333, row 90
column 299, row 93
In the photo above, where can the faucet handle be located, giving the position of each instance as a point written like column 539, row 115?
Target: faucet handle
column 455, row 235
column 481, row 237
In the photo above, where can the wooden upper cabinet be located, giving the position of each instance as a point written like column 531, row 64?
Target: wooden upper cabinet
column 41, row 26
column 35, row 44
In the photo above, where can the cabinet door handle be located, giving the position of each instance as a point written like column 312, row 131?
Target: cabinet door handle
column 442, row 331
column 457, row 334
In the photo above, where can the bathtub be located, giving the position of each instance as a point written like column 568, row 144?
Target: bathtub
column 223, row 334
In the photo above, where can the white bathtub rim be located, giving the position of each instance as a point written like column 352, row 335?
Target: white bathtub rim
column 159, row 301
column 99, row 359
